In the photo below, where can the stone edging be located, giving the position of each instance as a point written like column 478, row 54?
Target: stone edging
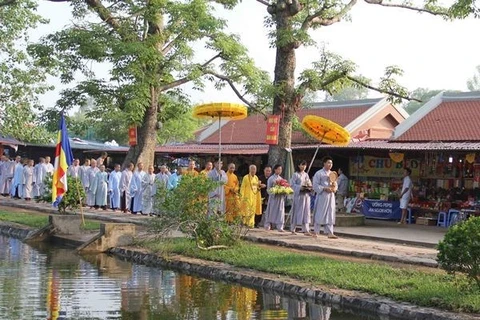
column 259, row 280
column 14, row 232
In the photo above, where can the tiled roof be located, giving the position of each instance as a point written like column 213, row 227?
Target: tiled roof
column 212, row 149
column 252, row 130
column 10, row 141
column 453, row 118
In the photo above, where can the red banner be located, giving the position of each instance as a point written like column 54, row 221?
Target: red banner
column 132, row 136
column 273, row 124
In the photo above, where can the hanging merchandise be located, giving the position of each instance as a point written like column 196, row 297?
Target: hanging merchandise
column 470, row 157
column 396, row 156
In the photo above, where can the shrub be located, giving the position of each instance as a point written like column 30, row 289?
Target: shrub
column 185, row 209
column 71, row 198
column 459, row 251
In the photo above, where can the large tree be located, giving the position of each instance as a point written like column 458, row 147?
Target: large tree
column 21, row 80
column 290, row 22
column 151, row 48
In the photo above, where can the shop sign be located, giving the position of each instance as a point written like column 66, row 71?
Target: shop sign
column 132, row 136
column 273, row 124
column 382, row 209
column 367, row 166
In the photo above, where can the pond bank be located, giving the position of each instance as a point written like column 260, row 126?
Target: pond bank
column 278, row 283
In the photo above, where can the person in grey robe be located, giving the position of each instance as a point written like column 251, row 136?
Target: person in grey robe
column 91, row 173
column 148, row 191
column 125, row 187
column 342, row 192
column 83, row 174
column 162, row 182
column 39, row 174
column 325, row 201
column 27, row 181
column 17, row 186
column 136, row 204
column 216, row 197
column 74, row 169
column 300, row 211
column 100, row 188
column 275, row 213
column 114, row 187
column 7, row 169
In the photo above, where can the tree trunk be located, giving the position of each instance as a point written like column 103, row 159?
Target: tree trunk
column 144, row 151
column 284, row 101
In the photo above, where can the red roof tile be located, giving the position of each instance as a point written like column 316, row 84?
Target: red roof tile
column 450, row 121
column 252, row 130
column 212, row 149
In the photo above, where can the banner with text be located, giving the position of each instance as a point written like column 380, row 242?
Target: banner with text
column 367, row 166
column 381, row 209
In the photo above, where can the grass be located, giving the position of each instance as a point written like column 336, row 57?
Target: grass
column 36, row 220
column 432, row 289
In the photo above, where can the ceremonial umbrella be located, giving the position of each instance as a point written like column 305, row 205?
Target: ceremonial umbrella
column 232, row 111
column 325, row 131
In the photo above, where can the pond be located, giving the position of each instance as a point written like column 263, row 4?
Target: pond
column 45, row 282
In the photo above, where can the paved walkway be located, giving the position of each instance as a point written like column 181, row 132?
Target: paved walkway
column 379, row 240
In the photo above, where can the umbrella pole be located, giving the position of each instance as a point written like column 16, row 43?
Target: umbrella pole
column 315, row 154
column 220, row 138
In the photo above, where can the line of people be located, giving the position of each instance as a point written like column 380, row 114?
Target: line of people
column 22, row 178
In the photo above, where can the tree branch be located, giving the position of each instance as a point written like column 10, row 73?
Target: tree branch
column 166, row 49
column 404, row 6
column 105, row 15
column 316, row 19
column 186, row 79
column 391, row 93
column 236, row 91
column 263, row 2
column 7, row 3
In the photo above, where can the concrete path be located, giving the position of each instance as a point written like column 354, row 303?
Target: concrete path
column 377, row 240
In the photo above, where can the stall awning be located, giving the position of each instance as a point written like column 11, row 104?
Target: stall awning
column 403, row 146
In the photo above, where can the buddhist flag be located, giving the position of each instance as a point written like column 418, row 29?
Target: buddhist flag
column 63, row 158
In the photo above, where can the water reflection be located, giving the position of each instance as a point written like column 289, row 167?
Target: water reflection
column 52, row 283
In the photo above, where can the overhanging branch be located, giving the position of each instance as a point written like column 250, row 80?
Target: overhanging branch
column 391, row 93
column 106, row 16
column 237, row 92
column 407, row 7
column 186, row 79
column 263, row 2
column 316, row 19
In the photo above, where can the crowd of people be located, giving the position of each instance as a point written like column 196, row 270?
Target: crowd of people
column 133, row 190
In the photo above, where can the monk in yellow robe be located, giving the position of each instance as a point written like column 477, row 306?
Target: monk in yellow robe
column 191, row 171
column 251, row 197
column 232, row 204
column 208, row 167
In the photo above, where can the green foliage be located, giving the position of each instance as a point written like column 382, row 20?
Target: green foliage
column 71, row 198
column 21, row 79
column 473, row 84
column 348, row 93
column 150, row 48
column 185, row 209
column 459, row 251
column 38, row 220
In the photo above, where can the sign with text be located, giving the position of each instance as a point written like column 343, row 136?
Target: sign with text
column 367, row 166
column 381, row 209
column 273, row 124
column 132, row 136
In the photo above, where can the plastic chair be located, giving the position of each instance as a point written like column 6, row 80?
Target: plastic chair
column 452, row 217
column 442, row 219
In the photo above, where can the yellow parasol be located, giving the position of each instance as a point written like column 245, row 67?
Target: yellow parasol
column 232, row 111
column 326, row 131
